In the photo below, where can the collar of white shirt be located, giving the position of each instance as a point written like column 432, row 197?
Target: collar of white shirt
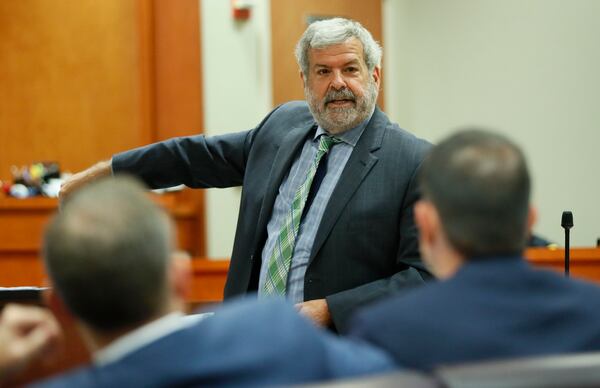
column 143, row 336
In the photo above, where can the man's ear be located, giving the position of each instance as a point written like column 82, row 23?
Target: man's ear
column 181, row 274
column 422, row 213
column 425, row 220
column 303, row 78
column 532, row 217
column 377, row 76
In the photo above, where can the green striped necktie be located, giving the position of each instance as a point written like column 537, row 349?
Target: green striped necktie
column 281, row 256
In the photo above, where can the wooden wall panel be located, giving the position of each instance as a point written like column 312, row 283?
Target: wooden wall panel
column 22, row 223
column 83, row 79
column 178, row 88
column 288, row 22
column 73, row 81
column 178, row 72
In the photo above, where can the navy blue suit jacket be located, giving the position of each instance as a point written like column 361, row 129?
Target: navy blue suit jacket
column 246, row 343
column 491, row 309
column 366, row 245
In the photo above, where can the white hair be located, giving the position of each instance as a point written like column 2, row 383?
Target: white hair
column 329, row 32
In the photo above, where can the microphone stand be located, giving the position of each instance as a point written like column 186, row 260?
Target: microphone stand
column 567, row 223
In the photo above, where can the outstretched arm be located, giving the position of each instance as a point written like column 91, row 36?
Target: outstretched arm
column 77, row 181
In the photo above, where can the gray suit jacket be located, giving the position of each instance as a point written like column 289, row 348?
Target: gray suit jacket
column 366, row 245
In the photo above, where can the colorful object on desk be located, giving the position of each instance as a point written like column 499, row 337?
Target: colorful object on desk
column 5, row 187
column 42, row 178
column 19, row 191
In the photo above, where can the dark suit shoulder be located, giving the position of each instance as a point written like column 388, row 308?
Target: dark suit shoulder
column 398, row 141
column 296, row 106
column 421, row 302
column 268, row 321
column 408, row 141
column 293, row 112
column 280, row 121
column 578, row 289
column 259, row 330
column 254, row 311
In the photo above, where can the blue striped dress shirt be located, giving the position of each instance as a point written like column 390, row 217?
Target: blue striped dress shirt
column 336, row 161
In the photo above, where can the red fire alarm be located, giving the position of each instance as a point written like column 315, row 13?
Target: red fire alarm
column 240, row 9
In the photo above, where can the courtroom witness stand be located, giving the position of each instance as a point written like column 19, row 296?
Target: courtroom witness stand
column 108, row 257
column 326, row 212
column 474, row 220
column 27, row 333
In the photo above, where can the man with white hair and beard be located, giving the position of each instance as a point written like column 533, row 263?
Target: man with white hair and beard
column 326, row 214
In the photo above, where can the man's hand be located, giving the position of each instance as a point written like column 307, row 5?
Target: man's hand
column 84, row 177
column 26, row 333
column 317, row 310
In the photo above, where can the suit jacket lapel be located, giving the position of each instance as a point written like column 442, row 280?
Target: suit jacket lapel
column 359, row 164
column 286, row 151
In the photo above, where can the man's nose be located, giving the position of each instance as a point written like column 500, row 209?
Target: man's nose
column 338, row 82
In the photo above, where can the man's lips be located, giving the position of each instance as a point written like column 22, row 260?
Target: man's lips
column 342, row 102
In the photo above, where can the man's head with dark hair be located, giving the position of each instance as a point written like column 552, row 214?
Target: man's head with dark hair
column 475, row 187
column 108, row 256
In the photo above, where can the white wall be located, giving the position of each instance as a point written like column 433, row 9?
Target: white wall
column 236, row 66
column 529, row 68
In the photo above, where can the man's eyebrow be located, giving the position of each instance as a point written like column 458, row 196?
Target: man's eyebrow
column 355, row 61
column 351, row 62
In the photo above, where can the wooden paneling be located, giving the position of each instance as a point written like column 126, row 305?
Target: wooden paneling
column 288, row 22
column 584, row 263
column 81, row 80
column 22, row 223
column 178, row 71
column 21, row 226
column 208, row 281
column 178, row 93
column 74, row 84
column 21, row 269
column 207, row 285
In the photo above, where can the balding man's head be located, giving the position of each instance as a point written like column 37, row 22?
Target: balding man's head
column 479, row 183
column 107, row 253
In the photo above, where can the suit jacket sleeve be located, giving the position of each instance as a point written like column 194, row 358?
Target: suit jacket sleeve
column 343, row 304
column 195, row 161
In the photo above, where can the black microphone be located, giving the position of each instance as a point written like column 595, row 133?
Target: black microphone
column 567, row 223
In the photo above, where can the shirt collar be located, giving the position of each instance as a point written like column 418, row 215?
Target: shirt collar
column 141, row 337
column 350, row 137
